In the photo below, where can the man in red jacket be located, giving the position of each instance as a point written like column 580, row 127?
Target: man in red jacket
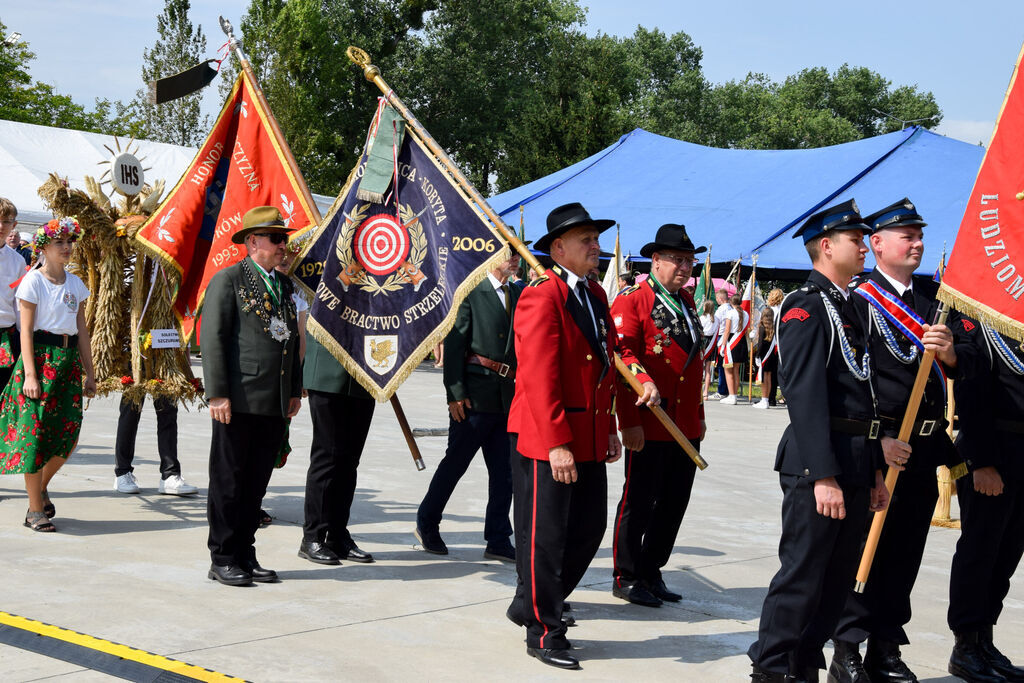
column 561, row 430
column 659, row 330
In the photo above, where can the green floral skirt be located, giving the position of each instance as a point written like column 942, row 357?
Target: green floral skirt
column 33, row 430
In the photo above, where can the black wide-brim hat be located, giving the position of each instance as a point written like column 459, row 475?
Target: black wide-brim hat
column 260, row 218
column 565, row 218
column 671, row 236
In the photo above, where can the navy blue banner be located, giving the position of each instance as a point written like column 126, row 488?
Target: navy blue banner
column 386, row 279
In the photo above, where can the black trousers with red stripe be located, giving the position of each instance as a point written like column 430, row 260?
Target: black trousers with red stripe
column 655, row 495
column 558, row 529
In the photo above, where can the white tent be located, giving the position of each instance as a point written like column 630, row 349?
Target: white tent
column 29, row 153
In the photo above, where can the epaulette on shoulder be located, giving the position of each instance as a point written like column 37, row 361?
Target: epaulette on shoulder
column 629, row 290
column 857, row 282
column 810, row 288
column 539, row 280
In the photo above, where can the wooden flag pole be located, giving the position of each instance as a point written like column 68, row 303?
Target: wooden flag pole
column 307, row 196
column 372, row 74
column 906, row 431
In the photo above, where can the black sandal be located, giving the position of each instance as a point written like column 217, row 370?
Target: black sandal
column 36, row 520
column 48, row 507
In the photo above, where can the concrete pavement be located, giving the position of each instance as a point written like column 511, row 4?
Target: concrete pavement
column 132, row 569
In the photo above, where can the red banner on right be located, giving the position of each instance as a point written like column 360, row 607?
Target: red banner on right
column 984, row 277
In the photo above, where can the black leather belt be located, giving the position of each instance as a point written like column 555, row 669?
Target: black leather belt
column 869, row 428
column 503, row 369
column 1014, row 426
column 921, row 427
column 64, row 341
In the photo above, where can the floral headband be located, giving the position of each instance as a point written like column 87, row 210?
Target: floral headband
column 57, row 227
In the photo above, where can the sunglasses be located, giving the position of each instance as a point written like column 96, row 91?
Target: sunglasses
column 274, row 237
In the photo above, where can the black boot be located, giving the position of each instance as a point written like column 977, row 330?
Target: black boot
column 847, row 666
column 759, row 675
column 999, row 662
column 883, row 663
column 808, row 675
column 968, row 660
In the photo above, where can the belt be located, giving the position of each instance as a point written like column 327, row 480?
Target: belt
column 1014, row 426
column 503, row 369
column 921, row 427
column 869, row 428
column 64, row 341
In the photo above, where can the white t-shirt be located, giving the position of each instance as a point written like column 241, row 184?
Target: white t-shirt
column 12, row 266
column 709, row 323
column 56, row 305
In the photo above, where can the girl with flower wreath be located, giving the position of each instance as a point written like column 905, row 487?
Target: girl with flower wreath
column 41, row 407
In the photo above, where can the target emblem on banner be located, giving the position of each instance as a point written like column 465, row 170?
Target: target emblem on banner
column 381, row 244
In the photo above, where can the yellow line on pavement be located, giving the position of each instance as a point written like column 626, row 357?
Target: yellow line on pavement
column 115, row 649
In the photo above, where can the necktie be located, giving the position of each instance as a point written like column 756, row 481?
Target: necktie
column 581, row 289
column 507, row 297
column 908, row 297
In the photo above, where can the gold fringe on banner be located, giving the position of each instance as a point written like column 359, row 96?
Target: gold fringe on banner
column 999, row 322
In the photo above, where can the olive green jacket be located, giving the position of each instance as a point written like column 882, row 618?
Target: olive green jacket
column 322, row 372
column 481, row 327
column 241, row 361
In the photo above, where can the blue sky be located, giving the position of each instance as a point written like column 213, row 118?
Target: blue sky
column 963, row 52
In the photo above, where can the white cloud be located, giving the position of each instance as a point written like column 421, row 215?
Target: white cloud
column 973, row 132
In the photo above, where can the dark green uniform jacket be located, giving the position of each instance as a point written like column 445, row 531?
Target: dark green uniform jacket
column 241, row 360
column 481, row 327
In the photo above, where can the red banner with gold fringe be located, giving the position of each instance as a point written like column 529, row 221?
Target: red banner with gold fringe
column 984, row 277
column 240, row 166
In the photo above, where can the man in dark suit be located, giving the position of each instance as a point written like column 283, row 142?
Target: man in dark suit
column 341, row 410
column 828, row 458
column 479, row 379
column 658, row 329
column 881, row 612
column 990, row 402
column 561, row 430
column 251, row 368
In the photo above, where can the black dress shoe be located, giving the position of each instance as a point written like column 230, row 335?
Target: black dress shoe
column 505, row 554
column 883, row 663
column 356, row 554
column 636, row 594
column 661, row 591
column 968, row 660
column 315, row 551
column 431, row 541
column 259, row 574
column 568, row 620
column 759, row 675
column 999, row 662
column 229, row 575
column 560, row 658
column 847, row 665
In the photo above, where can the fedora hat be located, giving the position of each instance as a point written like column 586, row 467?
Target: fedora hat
column 260, row 217
column 671, row 236
column 565, row 218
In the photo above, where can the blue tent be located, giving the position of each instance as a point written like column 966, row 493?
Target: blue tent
column 747, row 202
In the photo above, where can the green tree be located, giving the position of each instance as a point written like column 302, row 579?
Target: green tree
column 178, row 46
column 476, row 66
column 26, row 101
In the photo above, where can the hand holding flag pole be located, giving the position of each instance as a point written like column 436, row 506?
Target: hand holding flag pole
column 906, row 431
column 372, row 74
column 243, row 62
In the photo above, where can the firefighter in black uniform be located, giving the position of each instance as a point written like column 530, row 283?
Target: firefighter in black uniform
column 990, row 402
column 880, row 613
column 829, row 457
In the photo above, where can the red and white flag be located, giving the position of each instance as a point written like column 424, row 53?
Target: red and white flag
column 984, row 277
column 240, row 166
